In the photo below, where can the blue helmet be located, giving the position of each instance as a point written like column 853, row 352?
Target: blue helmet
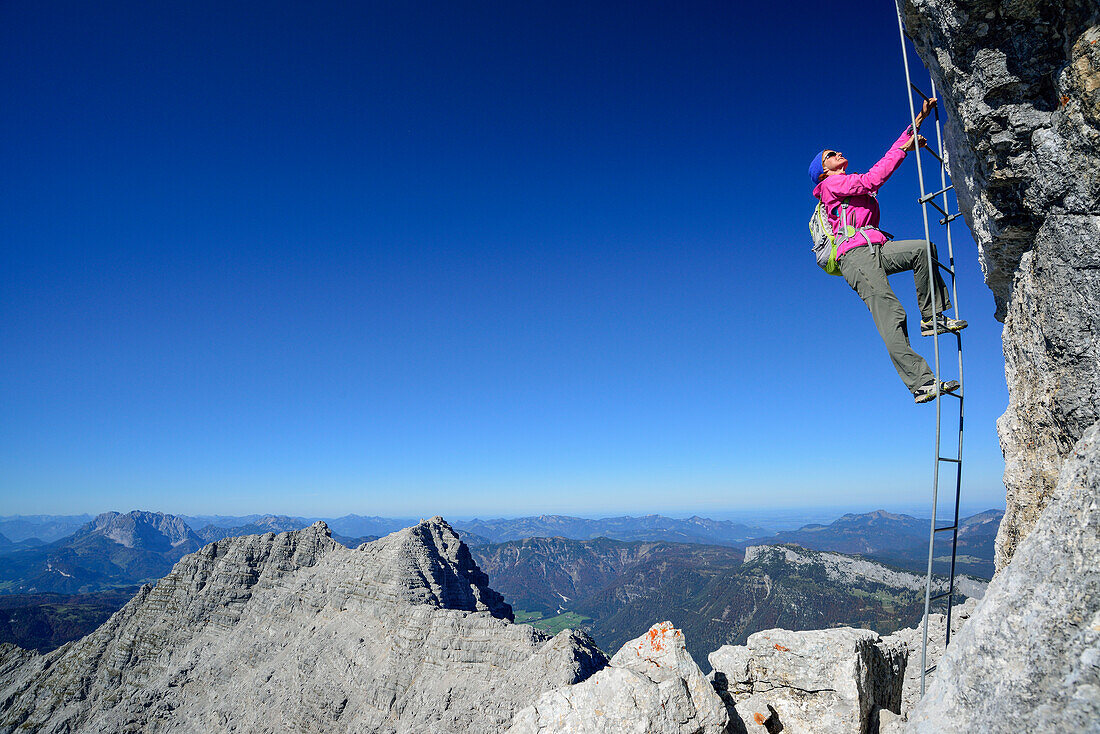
column 816, row 168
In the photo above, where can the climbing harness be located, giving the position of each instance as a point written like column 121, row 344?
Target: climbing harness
column 925, row 201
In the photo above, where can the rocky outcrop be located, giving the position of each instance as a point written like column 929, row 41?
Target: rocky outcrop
column 806, row 682
column 295, row 632
column 1029, row 658
column 1020, row 84
column 651, row 685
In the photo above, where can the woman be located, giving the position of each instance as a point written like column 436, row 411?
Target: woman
column 865, row 256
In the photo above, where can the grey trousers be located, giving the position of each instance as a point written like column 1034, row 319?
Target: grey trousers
column 867, row 276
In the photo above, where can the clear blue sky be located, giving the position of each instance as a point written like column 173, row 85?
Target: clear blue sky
column 449, row 257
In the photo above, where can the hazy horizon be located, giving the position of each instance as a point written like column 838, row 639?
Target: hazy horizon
column 768, row 518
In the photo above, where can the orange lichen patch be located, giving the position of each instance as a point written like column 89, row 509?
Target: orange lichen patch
column 759, row 718
column 655, row 638
column 1065, row 100
column 780, row 648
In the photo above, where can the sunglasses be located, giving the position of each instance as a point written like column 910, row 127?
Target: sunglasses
column 830, row 154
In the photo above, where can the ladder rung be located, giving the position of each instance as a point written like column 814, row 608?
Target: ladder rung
column 950, row 218
column 937, row 207
column 933, row 154
column 947, row 527
column 945, row 268
column 918, row 91
column 927, row 198
column 940, row 596
column 948, row 458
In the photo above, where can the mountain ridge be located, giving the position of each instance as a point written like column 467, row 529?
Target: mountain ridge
column 292, row 629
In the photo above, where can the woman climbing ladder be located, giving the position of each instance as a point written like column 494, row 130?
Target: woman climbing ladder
column 865, row 256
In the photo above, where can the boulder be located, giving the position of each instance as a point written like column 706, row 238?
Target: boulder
column 652, row 685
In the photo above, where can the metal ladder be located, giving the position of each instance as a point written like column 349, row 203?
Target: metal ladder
column 926, row 200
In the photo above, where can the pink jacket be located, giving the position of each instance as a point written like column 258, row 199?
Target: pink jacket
column 861, row 187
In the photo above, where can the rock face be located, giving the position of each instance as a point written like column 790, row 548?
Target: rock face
column 1020, row 83
column 652, row 685
column 295, row 632
column 1052, row 364
column 1029, row 658
column 806, row 682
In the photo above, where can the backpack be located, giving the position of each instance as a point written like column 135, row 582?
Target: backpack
column 824, row 241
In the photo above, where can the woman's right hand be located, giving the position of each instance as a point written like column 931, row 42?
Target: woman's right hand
column 926, row 110
column 913, row 141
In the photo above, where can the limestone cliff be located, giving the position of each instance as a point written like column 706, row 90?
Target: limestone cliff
column 1020, row 85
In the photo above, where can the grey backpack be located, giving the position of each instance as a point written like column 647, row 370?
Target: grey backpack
column 824, row 241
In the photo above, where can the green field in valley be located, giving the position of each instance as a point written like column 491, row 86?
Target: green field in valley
column 553, row 625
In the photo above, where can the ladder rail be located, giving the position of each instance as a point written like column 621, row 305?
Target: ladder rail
column 935, row 338
column 925, row 200
column 955, row 306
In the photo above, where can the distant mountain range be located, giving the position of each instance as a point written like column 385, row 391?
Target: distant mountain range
column 256, row 526
column 648, row 527
column 614, row 589
column 46, row 528
column 7, row 546
column 902, row 540
column 121, row 550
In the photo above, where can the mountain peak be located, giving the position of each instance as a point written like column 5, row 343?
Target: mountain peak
column 141, row 529
column 295, row 628
column 446, row 575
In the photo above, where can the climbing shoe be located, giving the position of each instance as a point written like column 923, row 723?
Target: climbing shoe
column 927, row 391
column 943, row 324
